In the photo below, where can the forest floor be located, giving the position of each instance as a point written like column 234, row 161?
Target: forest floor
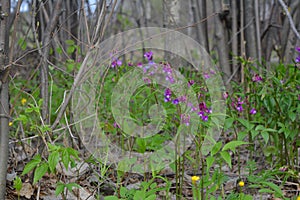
column 89, row 178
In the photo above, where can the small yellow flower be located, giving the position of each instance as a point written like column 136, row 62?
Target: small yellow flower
column 195, row 179
column 10, row 124
column 23, row 101
column 298, row 198
column 241, row 183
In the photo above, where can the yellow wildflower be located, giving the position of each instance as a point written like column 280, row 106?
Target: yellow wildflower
column 10, row 124
column 241, row 183
column 23, row 101
column 195, row 179
column 298, row 198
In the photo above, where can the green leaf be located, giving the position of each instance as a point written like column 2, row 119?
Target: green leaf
column 123, row 192
column 226, row 156
column 59, row 50
column 18, row 183
column 53, row 147
column 22, row 43
column 151, row 197
column 32, row 164
column 70, row 42
column 65, row 157
column 265, row 135
column 269, row 150
column 39, row 172
column 233, row 144
column 53, row 160
column 243, row 134
column 265, row 190
column 216, row 148
column 111, row 198
column 210, row 161
column 246, row 123
column 274, row 187
column 259, row 128
column 139, row 195
column 59, row 188
column 70, row 186
column 70, row 49
column 73, row 152
column 228, row 123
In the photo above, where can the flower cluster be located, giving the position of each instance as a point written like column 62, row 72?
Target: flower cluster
column 167, row 95
column 168, row 71
column 239, row 105
column 204, row 111
column 185, row 118
column 115, row 62
column 151, row 68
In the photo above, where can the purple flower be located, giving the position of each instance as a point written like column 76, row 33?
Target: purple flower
column 167, row 95
column 202, row 106
column 191, row 82
column 253, row 111
column 147, row 80
column 175, row 101
column 185, row 118
column 239, row 108
column 149, row 55
column 212, row 71
column 140, row 64
column 116, row 125
column 297, row 60
column 206, row 75
column 170, row 79
column 209, row 111
column 225, row 95
column 182, row 98
column 239, row 105
column 130, row 64
column 116, row 63
column 201, row 113
column 204, row 118
column 256, row 78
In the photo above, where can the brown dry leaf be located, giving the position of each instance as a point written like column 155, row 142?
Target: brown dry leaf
column 27, row 190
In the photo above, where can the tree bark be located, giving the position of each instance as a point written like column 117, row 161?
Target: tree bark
column 221, row 42
column 250, row 33
column 4, row 96
column 201, row 30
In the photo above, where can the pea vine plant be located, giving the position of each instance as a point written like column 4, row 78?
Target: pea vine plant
column 262, row 117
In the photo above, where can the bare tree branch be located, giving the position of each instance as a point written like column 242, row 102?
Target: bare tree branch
column 286, row 10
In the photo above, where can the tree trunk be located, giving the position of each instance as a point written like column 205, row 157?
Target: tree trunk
column 171, row 12
column 201, row 30
column 221, row 42
column 4, row 103
column 250, row 33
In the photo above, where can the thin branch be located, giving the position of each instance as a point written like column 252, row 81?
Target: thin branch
column 286, row 10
